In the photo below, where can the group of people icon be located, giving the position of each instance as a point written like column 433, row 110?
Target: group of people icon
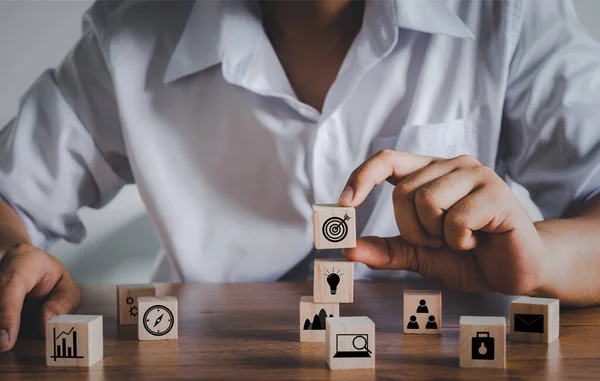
column 422, row 309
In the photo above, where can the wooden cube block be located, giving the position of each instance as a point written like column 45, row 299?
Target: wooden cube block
column 313, row 317
column 482, row 342
column 334, row 226
column 127, row 304
column 157, row 318
column 74, row 340
column 333, row 281
column 534, row 320
column 350, row 343
column 422, row 312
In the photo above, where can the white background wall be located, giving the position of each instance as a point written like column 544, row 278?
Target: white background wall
column 121, row 245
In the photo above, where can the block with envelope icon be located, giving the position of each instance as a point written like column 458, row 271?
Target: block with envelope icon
column 534, row 320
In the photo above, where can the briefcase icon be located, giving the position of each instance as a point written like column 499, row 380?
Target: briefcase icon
column 482, row 346
column 532, row 323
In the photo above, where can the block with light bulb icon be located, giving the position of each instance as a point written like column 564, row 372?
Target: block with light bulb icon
column 333, row 281
column 482, row 342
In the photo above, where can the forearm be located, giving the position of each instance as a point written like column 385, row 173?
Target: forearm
column 573, row 251
column 12, row 229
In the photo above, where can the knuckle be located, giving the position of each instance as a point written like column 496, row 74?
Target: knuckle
column 484, row 172
column 456, row 219
column 385, row 153
column 426, row 197
column 402, row 190
column 466, row 160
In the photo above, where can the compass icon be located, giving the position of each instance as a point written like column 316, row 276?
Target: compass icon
column 158, row 320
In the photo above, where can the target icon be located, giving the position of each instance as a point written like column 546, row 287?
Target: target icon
column 335, row 229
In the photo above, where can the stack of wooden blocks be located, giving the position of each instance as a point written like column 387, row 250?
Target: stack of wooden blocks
column 349, row 341
column 77, row 340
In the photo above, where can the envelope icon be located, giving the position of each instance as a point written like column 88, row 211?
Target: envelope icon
column 532, row 323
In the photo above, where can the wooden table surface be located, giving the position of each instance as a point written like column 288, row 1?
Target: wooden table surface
column 250, row 332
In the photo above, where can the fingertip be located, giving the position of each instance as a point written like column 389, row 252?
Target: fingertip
column 6, row 342
column 346, row 197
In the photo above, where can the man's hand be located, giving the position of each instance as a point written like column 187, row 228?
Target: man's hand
column 459, row 222
column 26, row 271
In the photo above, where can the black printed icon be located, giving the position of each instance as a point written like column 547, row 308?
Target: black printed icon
column 482, row 346
column 333, row 279
column 412, row 324
column 431, row 323
column 352, row 346
column 61, row 350
column 318, row 322
column 335, row 229
column 422, row 309
column 158, row 320
column 532, row 323
column 133, row 310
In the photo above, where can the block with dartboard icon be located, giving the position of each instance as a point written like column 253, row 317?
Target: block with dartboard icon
column 334, row 226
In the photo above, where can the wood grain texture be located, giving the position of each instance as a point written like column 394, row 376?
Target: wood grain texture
column 423, row 312
column 333, row 281
column 74, row 340
column 484, row 337
column 127, row 303
column 341, row 229
column 250, row 332
column 348, row 336
column 311, row 313
column 526, row 312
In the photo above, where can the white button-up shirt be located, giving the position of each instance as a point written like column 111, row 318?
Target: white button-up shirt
column 189, row 101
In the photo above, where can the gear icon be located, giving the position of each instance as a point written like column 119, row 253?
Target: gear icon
column 133, row 310
column 129, row 300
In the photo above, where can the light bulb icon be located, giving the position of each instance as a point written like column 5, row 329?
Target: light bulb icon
column 333, row 279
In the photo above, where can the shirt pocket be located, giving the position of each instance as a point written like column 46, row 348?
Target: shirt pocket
column 446, row 139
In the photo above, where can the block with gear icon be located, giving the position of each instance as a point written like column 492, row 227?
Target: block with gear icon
column 127, row 301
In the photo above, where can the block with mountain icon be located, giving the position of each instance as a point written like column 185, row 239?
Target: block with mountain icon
column 313, row 317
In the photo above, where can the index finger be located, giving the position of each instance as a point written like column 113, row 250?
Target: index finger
column 386, row 165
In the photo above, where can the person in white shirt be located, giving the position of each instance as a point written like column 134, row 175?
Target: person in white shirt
column 233, row 118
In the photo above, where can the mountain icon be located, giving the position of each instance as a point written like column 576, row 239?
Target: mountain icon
column 318, row 322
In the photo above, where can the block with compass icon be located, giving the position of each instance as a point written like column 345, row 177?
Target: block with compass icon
column 157, row 318
column 127, row 301
column 334, row 226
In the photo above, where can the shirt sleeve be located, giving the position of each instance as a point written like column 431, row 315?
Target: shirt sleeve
column 64, row 149
column 550, row 140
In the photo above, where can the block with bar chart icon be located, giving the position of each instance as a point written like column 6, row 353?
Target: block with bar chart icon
column 74, row 340
column 350, row 343
column 422, row 312
column 313, row 317
column 534, row 320
column 334, row 226
column 157, row 318
column 127, row 301
column 333, row 281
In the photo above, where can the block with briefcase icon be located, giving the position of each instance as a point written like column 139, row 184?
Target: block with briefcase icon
column 534, row 320
column 482, row 342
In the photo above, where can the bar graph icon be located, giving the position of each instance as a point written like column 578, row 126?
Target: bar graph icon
column 61, row 350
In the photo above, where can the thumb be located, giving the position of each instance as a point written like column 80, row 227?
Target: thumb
column 64, row 298
column 456, row 269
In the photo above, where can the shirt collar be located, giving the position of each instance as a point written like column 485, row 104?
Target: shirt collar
column 202, row 42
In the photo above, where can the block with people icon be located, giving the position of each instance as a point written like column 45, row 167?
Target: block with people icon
column 423, row 312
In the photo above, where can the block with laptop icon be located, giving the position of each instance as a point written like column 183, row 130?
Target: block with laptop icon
column 350, row 343
column 482, row 342
column 534, row 320
column 422, row 312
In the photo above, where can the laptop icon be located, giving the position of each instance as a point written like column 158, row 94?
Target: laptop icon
column 349, row 345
